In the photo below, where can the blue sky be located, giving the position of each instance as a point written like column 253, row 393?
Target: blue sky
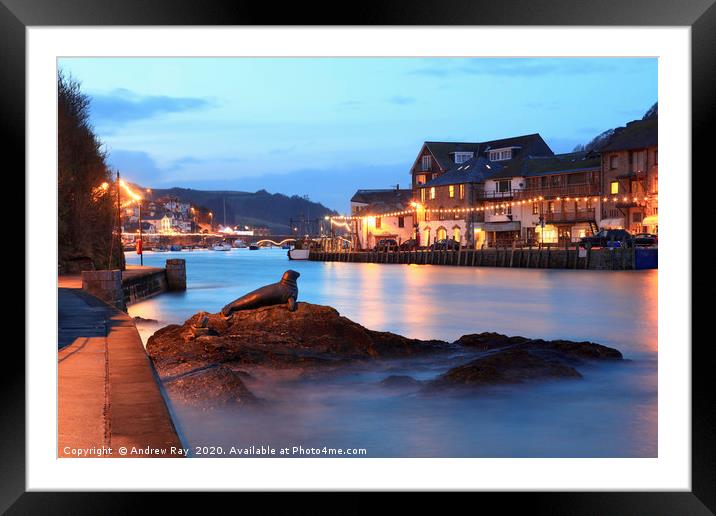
column 324, row 127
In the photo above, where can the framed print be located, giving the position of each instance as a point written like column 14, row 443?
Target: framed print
column 416, row 249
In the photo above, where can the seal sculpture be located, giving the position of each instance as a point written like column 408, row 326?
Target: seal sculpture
column 285, row 291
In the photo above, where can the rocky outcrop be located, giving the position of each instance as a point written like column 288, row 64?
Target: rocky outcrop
column 519, row 359
column 204, row 359
column 275, row 337
column 210, row 388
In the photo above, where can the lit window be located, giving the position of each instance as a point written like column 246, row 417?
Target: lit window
column 462, row 191
column 451, row 189
column 377, row 222
column 614, row 187
column 535, row 208
column 401, row 222
column 432, row 192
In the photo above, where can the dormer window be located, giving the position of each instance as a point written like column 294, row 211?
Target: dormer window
column 426, row 162
column 501, row 154
column 462, row 157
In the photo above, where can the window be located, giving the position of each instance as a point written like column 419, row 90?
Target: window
column 451, row 190
column 426, row 163
column 377, row 222
column 500, row 154
column 456, row 213
column 456, row 233
column 614, row 187
column 550, row 206
column 442, row 233
column 535, row 208
column 422, row 195
column 441, row 213
column 401, row 222
column 432, row 192
column 636, row 217
column 504, row 185
column 420, row 179
column 462, row 191
column 613, row 162
column 462, row 157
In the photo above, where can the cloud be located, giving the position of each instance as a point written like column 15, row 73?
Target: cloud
column 137, row 166
column 121, row 106
column 516, row 67
column 401, row 100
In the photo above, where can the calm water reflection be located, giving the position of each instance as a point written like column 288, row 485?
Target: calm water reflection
column 611, row 413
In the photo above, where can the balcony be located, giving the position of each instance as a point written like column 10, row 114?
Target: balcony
column 492, row 195
column 585, row 215
column 552, row 192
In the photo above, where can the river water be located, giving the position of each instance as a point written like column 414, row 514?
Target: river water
column 612, row 412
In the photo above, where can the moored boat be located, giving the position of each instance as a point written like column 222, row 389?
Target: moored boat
column 298, row 254
column 221, row 246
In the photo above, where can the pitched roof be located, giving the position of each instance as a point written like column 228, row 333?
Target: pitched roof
column 529, row 144
column 638, row 134
column 388, row 196
column 442, row 150
column 474, row 170
column 532, row 166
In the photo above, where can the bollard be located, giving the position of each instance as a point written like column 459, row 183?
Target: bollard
column 176, row 274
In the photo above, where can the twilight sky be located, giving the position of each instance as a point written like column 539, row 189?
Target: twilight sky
column 324, row 127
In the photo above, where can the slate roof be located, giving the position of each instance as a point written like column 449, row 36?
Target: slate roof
column 474, row 170
column 385, row 196
column 533, row 166
column 529, row 144
column 638, row 134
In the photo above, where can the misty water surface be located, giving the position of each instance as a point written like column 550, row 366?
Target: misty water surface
column 611, row 413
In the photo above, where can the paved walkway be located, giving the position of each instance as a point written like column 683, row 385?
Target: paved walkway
column 108, row 392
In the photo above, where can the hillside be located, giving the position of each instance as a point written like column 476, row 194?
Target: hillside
column 602, row 139
column 257, row 209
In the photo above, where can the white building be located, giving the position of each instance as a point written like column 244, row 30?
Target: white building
column 379, row 215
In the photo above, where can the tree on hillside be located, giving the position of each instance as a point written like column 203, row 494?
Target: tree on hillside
column 86, row 212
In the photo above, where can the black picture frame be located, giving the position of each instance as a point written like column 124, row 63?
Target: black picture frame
column 700, row 15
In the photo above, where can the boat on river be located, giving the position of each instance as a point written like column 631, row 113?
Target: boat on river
column 300, row 250
column 221, row 246
column 254, row 247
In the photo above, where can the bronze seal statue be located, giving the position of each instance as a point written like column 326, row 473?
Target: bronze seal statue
column 285, row 291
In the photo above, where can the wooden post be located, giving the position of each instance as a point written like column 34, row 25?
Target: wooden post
column 512, row 253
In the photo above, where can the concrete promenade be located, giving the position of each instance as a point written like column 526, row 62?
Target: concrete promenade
column 108, row 394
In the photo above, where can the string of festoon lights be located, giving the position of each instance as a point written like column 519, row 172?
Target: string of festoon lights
column 491, row 206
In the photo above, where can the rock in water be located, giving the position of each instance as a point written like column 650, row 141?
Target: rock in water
column 519, row 359
column 210, row 388
column 400, row 381
column 276, row 337
column 504, row 366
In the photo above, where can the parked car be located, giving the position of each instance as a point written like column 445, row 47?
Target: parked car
column 645, row 240
column 609, row 238
column 446, row 243
column 409, row 245
column 386, row 244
